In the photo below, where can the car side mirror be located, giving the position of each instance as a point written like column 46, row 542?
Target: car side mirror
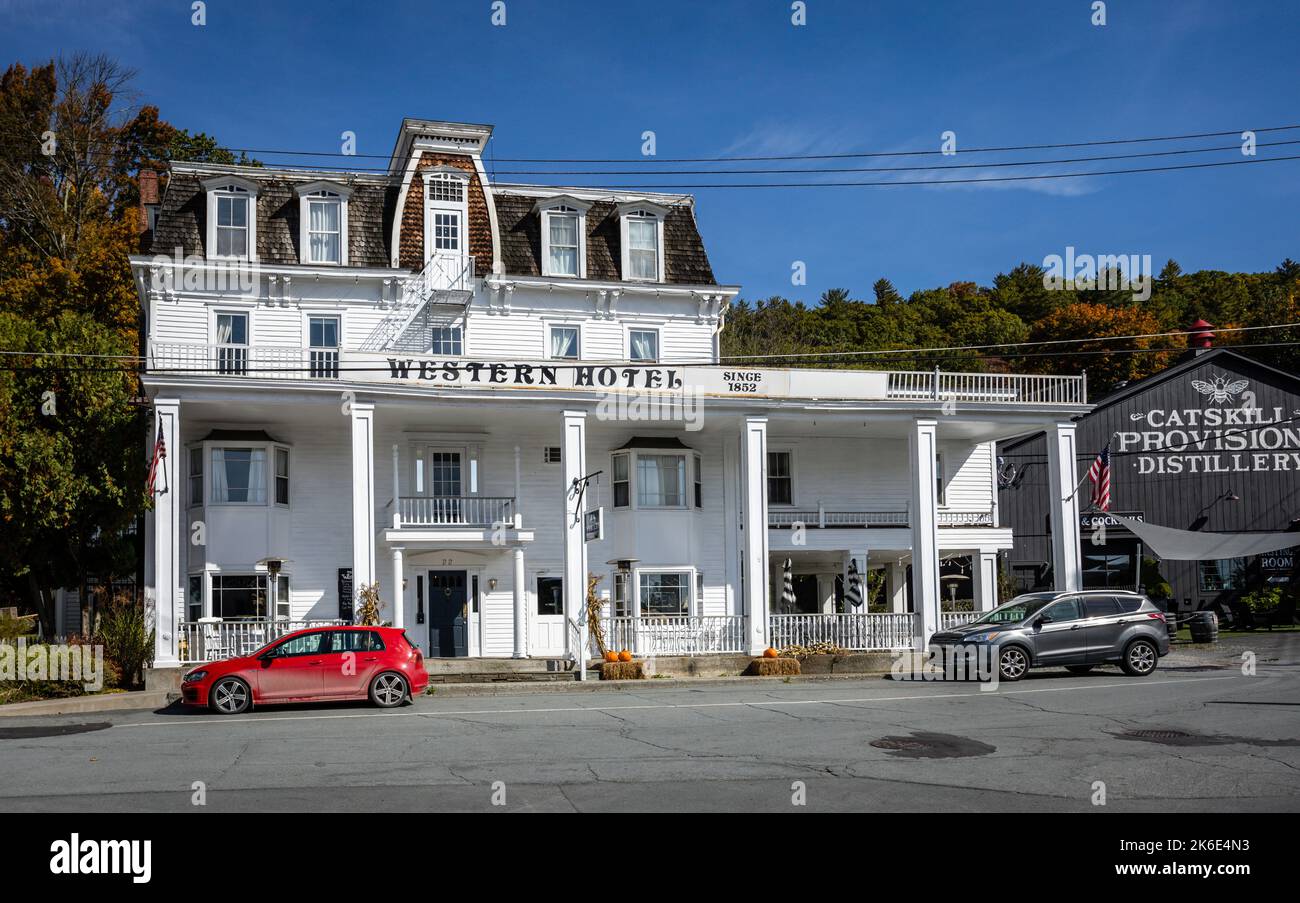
column 1041, row 620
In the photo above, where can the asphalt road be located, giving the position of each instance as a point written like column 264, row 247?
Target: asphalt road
column 1225, row 742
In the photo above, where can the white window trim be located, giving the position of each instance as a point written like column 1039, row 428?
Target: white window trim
column 692, row 603
column 545, row 208
column 305, row 193
column 560, row 324
column 633, row 483
column 630, row 328
column 432, row 206
column 794, row 480
column 656, row 212
column 248, row 311
column 219, row 187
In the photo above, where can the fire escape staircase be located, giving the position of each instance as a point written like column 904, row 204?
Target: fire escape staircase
column 446, row 281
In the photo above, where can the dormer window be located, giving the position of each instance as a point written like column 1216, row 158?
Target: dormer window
column 231, row 218
column 323, row 223
column 642, row 228
column 564, row 236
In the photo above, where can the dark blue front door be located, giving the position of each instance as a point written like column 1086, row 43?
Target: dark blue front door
column 448, row 617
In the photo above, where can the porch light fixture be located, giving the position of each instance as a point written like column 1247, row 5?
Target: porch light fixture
column 492, row 583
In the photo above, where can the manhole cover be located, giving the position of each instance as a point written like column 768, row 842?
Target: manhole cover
column 921, row 745
column 37, row 731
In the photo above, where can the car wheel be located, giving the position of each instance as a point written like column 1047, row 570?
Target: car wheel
column 230, row 696
column 1079, row 669
column 1139, row 658
column 1013, row 662
column 388, row 690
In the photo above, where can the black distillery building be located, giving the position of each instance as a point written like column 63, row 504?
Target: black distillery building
column 1211, row 443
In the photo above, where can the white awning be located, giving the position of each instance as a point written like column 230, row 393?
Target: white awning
column 1193, row 545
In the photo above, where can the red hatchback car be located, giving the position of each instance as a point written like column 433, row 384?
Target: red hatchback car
column 314, row 665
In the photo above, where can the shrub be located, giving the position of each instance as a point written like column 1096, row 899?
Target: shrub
column 128, row 644
column 1263, row 600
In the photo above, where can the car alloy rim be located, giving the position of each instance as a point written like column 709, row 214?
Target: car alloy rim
column 230, row 696
column 1141, row 657
column 388, row 689
column 1013, row 663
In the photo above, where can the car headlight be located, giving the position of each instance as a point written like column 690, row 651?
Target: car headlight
column 982, row 637
column 194, row 677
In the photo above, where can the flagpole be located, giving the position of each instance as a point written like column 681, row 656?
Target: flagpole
column 1079, row 484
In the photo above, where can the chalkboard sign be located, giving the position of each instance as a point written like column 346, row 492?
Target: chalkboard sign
column 345, row 594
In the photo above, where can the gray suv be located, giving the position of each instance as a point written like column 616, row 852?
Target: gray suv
column 1075, row 630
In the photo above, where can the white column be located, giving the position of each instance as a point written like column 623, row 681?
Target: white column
column 168, row 530
column 753, row 459
column 898, row 588
column 398, row 594
column 922, row 445
column 1063, row 506
column 984, row 579
column 363, row 494
column 575, row 548
column 521, row 606
column 397, row 488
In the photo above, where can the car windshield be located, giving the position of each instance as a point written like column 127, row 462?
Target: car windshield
column 1016, row 610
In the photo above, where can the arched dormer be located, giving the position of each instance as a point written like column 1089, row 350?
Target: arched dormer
column 231, row 218
column 563, row 236
column 323, row 223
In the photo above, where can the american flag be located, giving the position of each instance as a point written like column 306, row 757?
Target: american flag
column 1099, row 473
column 156, row 463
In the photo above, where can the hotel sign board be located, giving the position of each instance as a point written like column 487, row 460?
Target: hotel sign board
column 726, row 382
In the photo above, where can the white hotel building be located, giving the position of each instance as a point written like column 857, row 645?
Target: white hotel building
column 404, row 378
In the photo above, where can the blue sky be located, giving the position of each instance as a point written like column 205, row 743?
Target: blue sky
column 584, row 79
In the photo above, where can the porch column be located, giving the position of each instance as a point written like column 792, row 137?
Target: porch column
column 363, row 494
column 922, row 443
column 1063, row 506
column 398, row 594
column 521, row 606
column 575, row 549
column 168, row 531
column 984, row 579
column 757, row 576
column 898, row 588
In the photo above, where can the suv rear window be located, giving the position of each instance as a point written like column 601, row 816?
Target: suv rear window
column 1101, row 606
column 1128, row 604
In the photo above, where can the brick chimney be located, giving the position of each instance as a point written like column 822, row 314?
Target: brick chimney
column 1200, row 337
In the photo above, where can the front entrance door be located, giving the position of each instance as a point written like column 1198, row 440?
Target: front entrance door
column 448, row 614
column 548, row 624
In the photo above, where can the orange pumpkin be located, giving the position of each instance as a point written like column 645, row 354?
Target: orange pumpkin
column 611, row 655
column 769, row 652
column 625, row 656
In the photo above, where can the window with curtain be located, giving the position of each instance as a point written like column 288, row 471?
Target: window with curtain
column 643, row 345
column 661, row 481
column 323, row 338
column 562, row 239
column 232, row 223
column 643, row 247
column 324, row 228
column 232, row 343
column 239, row 476
column 564, row 342
column 665, row 594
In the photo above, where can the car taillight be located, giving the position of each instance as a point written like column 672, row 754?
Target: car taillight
column 1158, row 615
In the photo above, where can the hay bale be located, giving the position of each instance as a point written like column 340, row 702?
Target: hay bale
column 633, row 670
column 771, row 667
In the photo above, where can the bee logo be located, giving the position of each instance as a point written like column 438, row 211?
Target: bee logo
column 1219, row 388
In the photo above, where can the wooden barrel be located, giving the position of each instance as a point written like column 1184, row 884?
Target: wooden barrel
column 1204, row 626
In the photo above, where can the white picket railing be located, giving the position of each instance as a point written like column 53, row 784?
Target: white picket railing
column 210, row 641
column 998, row 388
column 455, row 511
column 667, row 635
column 950, row 619
column 820, row 517
column 257, row 361
column 853, row 631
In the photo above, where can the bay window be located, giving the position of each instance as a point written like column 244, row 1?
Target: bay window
column 661, row 481
column 236, row 596
column 664, row 594
column 196, row 476
column 239, row 476
column 282, row 476
column 651, row 472
column 622, row 480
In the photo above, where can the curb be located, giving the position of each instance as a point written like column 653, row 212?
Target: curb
column 596, row 685
column 79, row 705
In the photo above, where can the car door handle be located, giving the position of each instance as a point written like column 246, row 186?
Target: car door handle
column 373, row 658
column 1075, row 626
column 315, row 662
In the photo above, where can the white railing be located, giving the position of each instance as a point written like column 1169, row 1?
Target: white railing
column 258, row 361
column 210, row 641
column 456, row 511
column 681, row 635
column 823, row 518
column 858, row 632
column 950, row 619
column 996, row 388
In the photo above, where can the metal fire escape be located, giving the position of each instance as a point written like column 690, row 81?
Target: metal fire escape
column 437, row 294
